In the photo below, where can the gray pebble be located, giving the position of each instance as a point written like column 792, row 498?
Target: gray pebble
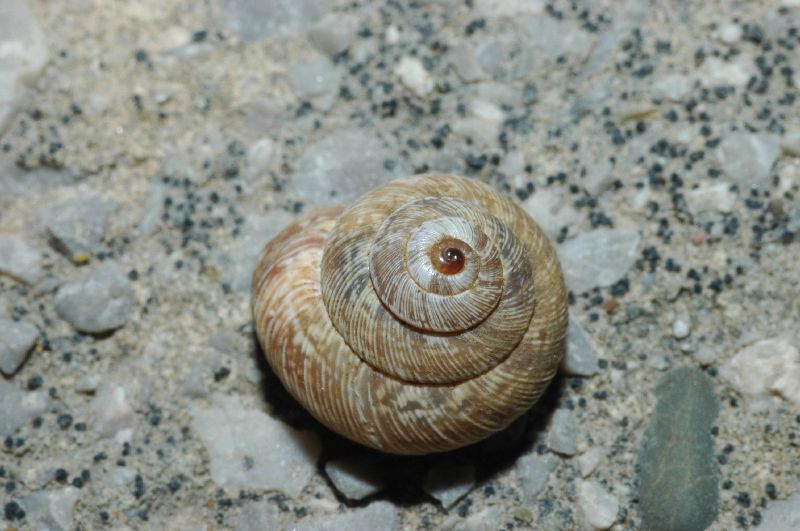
column 342, row 166
column 51, row 510
column 100, row 301
column 16, row 340
column 580, row 358
column 356, row 479
column 380, row 515
column 254, row 20
column 19, row 260
column 248, row 448
column 18, row 407
column 782, row 515
column 599, row 507
column 598, row 258
column 563, row 435
column 25, row 55
column 313, row 79
column 333, row 34
column 747, row 158
column 77, row 226
column 449, row 482
column 533, row 471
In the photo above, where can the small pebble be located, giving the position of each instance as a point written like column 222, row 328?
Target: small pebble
column 356, row 479
column 448, row 482
column 99, row 301
column 250, row 449
column 580, row 358
column 680, row 329
column 782, row 515
column 113, row 415
column 51, row 509
column 377, row 515
column 414, row 76
column 19, row 260
column 599, row 507
column 598, row 258
column 76, row 227
column 590, row 459
column 333, row 34
column 748, row 158
column 765, row 370
column 533, row 472
column 563, row 435
column 16, row 340
column 730, row 34
column 18, row 407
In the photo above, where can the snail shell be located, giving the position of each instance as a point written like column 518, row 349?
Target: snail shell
column 424, row 317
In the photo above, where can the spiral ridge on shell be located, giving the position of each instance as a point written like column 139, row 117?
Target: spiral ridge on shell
column 425, row 316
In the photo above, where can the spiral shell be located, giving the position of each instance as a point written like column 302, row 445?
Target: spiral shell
column 424, row 317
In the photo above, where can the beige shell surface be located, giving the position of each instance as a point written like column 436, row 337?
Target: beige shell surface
column 417, row 362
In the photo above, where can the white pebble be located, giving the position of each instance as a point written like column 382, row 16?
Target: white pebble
column 598, row 506
column 730, row 34
column 414, row 76
column 766, row 369
column 260, row 157
column 680, row 329
column 113, row 415
column 100, row 301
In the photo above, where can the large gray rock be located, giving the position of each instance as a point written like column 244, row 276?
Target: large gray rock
column 678, row 475
column 16, row 340
column 23, row 53
column 598, row 258
column 342, row 166
column 100, row 301
column 77, row 226
column 250, row 449
column 19, row 260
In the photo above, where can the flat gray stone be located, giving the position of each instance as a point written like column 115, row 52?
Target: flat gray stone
column 377, row 515
column 533, row 472
column 100, row 301
column 580, row 358
column 250, row 449
column 254, row 20
column 16, row 340
column 18, row 407
column 356, row 479
column 23, row 53
column 76, row 227
column 51, row 510
column 342, row 166
column 563, row 435
column 748, row 158
column 19, row 260
column 314, row 79
column 598, row 258
column 782, row 515
column 448, row 483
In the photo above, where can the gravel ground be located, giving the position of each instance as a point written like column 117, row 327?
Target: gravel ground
column 149, row 149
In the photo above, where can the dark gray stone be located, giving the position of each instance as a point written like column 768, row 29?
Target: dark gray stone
column 678, row 476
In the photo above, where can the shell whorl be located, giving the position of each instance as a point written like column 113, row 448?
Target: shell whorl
column 425, row 316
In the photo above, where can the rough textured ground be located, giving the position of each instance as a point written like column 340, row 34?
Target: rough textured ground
column 162, row 143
